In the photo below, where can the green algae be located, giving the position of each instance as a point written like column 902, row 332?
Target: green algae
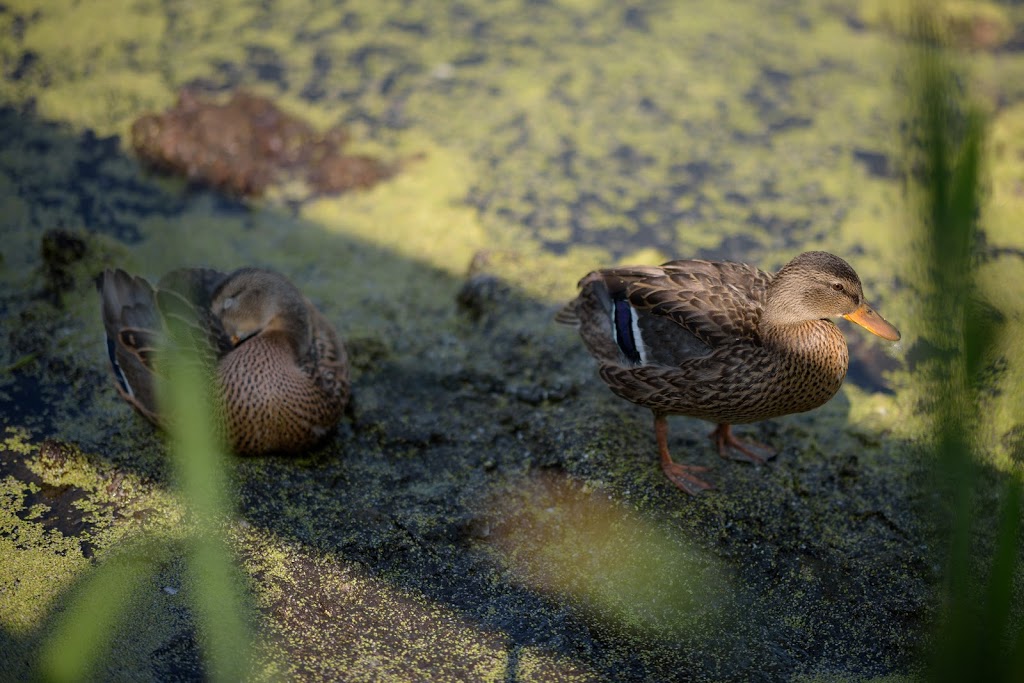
column 979, row 25
column 80, row 639
column 318, row 602
column 555, row 138
column 1006, row 170
column 31, row 551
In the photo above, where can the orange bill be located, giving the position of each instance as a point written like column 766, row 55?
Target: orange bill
column 866, row 317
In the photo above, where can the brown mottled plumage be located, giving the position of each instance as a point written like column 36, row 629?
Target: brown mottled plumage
column 721, row 341
column 281, row 372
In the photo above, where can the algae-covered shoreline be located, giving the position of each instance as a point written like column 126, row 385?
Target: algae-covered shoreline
column 488, row 510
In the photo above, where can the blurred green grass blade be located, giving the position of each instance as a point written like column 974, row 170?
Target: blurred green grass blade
column 949, row 132
column 999, row 596
column 961, row 477
column 197, row 451
column 84, row 631
column 201, row 463
column 976, row 638
column 983, row 331
column 219, row 605
column 965, row 191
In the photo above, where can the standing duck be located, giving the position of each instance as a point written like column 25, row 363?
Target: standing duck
column 281, row 372
column 721, row 341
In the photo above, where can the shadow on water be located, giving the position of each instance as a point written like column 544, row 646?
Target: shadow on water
column 450, row 411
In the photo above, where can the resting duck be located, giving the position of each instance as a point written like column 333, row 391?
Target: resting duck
column 281, row 372
column 721, row 341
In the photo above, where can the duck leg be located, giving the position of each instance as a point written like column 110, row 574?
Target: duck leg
column 680, row 475
column 724, row 439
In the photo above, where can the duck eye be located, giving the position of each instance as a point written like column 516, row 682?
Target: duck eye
column 838, row 286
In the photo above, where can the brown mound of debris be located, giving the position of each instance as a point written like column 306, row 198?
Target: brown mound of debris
column 248, row 144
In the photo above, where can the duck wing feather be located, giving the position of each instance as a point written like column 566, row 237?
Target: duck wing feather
column 717, row 302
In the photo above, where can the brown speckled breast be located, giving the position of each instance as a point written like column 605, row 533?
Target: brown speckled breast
column 271, row 402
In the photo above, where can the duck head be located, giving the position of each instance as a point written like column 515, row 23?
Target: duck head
column 817, row 285
column 252, row 302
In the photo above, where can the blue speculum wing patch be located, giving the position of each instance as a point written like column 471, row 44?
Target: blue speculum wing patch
column 622, row 319
column 118, row 375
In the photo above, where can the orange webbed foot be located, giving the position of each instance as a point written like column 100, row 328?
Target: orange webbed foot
column 680, row 475
column 748, row 450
